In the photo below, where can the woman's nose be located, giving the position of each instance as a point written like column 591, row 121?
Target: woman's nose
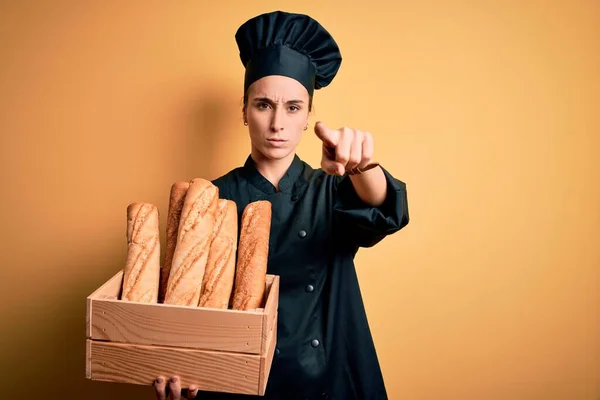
column 277, row 121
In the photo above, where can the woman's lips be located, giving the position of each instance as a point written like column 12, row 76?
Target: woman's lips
column 276, row 142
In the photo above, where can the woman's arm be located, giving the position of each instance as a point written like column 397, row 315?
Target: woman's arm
column 370, row 186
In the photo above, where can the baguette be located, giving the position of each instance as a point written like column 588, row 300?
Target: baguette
column 193, row 243
column 176, row 200
column 251, row 273
column 219, row 274
column 142, row 269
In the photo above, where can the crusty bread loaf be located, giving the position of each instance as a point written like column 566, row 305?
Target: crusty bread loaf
column 251, row 270
column 193, row 243
column 176, row 200
column 142, row 269
column 220, row 267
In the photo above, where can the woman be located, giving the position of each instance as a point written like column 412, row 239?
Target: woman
column 320, row 217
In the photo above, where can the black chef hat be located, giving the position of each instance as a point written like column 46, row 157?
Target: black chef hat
column 293, row 45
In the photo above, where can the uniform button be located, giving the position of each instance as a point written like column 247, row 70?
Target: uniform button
column 302, row 233
column 294, row 197
column 276, row 352
column 314, row 343
column 310, row 288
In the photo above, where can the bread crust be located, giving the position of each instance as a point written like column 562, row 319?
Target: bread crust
column 194, row 238
column 142, row 269
column 176, row 200
column 219, row 274
column 251, row 270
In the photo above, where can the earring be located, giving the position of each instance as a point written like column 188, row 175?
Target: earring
column 306, row 127
column 246, row 123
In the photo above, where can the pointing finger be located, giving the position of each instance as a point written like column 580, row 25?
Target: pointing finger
column 330, row 137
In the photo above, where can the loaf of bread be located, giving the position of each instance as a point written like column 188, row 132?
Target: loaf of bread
column 220, row 267
column 176, row 199
column 194, row 237
column 142, row 270
column 253, row 253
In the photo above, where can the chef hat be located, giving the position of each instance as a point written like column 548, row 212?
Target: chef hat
column 292, row 45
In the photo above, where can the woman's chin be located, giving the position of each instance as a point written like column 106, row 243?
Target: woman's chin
column 276, row 153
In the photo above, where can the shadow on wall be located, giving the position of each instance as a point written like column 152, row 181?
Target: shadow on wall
column 49, row 361
column 215, row 129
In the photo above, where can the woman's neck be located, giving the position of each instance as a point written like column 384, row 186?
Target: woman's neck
column 272, row 170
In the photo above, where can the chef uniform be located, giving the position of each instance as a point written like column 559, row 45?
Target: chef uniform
column 324, row 345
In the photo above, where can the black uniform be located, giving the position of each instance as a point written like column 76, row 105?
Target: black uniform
column 324, row 345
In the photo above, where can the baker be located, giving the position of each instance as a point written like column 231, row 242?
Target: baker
column 320, row 217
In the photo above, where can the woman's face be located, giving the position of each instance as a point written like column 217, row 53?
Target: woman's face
column 277, row 111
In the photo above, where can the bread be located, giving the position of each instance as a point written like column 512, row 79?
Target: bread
column 219, row 274
column 142, row 269
column 176, row 199
column 193, row 243
column 253, row 253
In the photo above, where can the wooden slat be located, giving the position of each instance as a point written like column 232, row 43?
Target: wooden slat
column 88, row 318
column 110, row 289
column 270, row 312
column 266, row 360
column 139, row 364
column 163, row 324
column 88, row 359
column 268, row 283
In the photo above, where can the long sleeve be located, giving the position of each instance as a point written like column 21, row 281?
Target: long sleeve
column 364, row 225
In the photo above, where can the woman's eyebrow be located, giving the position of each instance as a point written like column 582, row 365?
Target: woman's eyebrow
column 268, row 100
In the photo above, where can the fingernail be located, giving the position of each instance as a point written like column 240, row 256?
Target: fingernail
column 173, row 380
column 160, row 380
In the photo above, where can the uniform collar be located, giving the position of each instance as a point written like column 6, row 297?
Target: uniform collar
column 285, row 184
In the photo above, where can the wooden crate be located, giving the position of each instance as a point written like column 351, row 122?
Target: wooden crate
column 217, row 350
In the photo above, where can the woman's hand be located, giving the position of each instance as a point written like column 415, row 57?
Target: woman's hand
column 345, row 149
column 350, row 151
column 172, row 388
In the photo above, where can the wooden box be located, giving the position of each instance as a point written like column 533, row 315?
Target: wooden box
column 217, row 350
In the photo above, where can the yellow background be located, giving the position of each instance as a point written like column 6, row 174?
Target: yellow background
column 487, row 110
